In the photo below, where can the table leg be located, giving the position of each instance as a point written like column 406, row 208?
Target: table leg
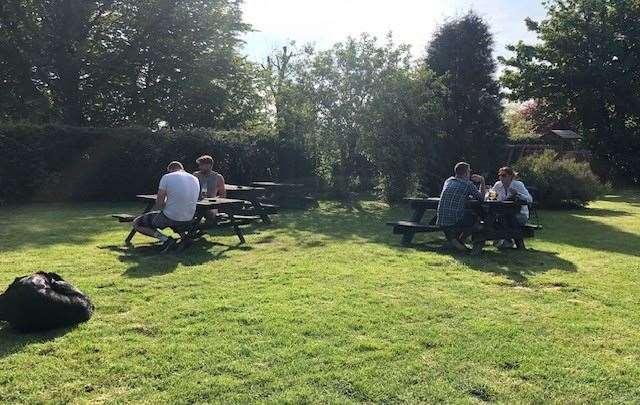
column 133, row 231
column 260, row 211
column 236, row 228
column 407, row 237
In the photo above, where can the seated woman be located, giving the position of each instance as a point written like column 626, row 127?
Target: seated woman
column 508, row 188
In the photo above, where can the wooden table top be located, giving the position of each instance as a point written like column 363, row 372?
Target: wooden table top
column 206, row 203
column 234, row 187
column 432, row 202
column 271, row 184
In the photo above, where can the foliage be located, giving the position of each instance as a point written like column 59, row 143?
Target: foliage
column 560, row 182
column 471, row 124
column 519, row 126
column 584, row 66
column 126, row 62
column 44, row 163
column 327, row 307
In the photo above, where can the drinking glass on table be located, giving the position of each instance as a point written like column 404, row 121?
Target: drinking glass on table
column 492, row 195
column 203, row 191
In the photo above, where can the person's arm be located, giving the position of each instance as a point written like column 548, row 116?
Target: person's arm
column 518, row 188
column 478, row 195
column 222, row 191
column 161, row 199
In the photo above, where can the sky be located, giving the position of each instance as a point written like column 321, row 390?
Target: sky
column 324, row 22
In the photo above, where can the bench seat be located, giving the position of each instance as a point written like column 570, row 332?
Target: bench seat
column 402, row 227
column 124, row 217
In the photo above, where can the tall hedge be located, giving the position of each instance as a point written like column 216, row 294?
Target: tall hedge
column 60, row 163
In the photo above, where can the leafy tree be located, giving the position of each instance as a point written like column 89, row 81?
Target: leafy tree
column 461, row 54
column 292, row 106
column 343, row 83
column 585, row 65
column 123, row 62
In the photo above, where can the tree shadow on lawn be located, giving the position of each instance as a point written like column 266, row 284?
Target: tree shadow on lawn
column 575, row 228
column 147, row 261
column 43, row 225
column 515, row 265
column 14, row 342
column 342, row 221
column 631, row 197
column 578, row 228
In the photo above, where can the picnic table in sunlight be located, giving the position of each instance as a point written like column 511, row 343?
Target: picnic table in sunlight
column 497, row 220
column 253, row 196
column 229, row 214
column 286, row 195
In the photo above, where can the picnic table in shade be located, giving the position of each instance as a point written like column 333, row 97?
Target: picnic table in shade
column 252, row 195
column 227, row 217
column 497, row 222
column 287, row 195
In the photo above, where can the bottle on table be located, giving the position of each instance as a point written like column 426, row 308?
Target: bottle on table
column 203, row 191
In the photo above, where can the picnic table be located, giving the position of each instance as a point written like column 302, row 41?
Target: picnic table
column 229, row 207
column 252, row 196
column 289, row 195
column 497, row 222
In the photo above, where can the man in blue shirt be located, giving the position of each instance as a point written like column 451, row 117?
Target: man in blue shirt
column 452, row 215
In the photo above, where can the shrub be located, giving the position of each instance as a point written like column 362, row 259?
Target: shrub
column 560, row 182
column 58, row 163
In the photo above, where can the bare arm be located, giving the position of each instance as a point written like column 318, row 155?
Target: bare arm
column 222, row 192
column 161, row 200
column 479, row 195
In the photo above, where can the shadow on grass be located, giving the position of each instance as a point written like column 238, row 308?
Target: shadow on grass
column 515, row 265
column 631, row 197
column 147, row 261
column 14, row 342
column 43, row 225
column 582, row 228
column 342, row 221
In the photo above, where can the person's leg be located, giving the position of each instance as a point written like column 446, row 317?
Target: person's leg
column 148, row 224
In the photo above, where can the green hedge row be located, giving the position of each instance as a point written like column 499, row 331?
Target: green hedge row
column 59, row 163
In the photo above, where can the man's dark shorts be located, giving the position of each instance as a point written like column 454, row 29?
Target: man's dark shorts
column 157, row 220
column 466, row 222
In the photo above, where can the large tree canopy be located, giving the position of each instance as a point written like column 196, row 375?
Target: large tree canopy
column 586, row 65
column 461, row 53
column 123, row 62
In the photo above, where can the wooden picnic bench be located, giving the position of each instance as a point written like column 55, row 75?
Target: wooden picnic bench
column 497, row 219
column 227, row 217
column 252, row 195
column 286, row 195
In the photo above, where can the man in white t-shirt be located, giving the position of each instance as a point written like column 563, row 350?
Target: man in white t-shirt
column 178, row 194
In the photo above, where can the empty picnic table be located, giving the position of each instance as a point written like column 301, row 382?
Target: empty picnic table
column 227, row 206
column 252, row 195
column 497, row 220
column 290, row 195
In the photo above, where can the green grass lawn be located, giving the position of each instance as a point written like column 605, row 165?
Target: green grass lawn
column 325, row 306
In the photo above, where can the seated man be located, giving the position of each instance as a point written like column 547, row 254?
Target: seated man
column 176, row 205
column 211, row 183
column 452, row 214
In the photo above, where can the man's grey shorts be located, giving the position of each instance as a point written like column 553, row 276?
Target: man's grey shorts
column 157, row 220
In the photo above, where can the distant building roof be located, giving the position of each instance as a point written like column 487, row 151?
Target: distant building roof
column 566, row 134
